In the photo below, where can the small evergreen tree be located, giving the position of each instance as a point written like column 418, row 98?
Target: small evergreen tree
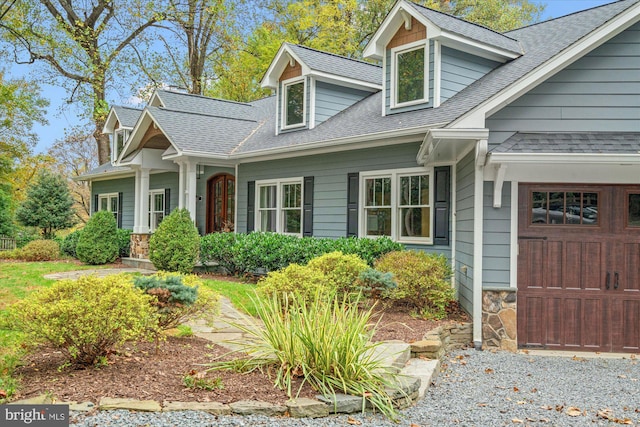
column 7, row 227
column 48, row 206
column 175, row 244
column 98, row 242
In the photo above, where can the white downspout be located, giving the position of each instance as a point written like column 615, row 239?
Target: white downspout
column 478, row 222
column 181, row 185
column 136, row 205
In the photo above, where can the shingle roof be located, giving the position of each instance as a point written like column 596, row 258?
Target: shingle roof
column 470, row 30
column 579, row 143
column 205, row 105
column 338, row 65
column 127, row 116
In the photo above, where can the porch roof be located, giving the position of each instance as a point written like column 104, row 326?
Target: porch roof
column 570, row 142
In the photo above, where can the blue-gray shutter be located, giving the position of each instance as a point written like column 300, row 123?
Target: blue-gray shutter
column 442, row 205
column 167, row 198
column 353, row 185
column 251, row 206
column 95, row 203
column 307, row 207
column 120, row 210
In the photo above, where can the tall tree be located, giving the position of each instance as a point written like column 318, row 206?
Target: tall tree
column 81, row 43
column 48, row 205
column 73, row 156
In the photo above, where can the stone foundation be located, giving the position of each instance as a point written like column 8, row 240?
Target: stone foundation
column 139, row 248
column 437, row 342
column 499, row 324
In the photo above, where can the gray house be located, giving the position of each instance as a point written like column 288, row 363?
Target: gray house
column 516, row 155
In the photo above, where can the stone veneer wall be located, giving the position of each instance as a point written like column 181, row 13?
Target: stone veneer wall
column 139, row 248
column 499, row 323
column 437, row 342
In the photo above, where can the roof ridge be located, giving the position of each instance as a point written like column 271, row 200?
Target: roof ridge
column 127, row 107
column 467, row 22
column 198, row 113
column 210, row 98
column 360, row 61
column 571, row 14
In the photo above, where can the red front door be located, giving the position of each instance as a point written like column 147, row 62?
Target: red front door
column 220, row 203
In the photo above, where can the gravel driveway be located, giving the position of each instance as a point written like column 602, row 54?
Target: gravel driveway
column 474, row 389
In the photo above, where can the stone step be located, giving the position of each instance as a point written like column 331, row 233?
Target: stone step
column 392, row 354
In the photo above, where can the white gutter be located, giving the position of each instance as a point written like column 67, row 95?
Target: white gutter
column 564, row 158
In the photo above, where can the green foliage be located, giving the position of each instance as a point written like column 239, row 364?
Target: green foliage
column 25, row 235
column 341, row 271
column 184, row 331
column 98, row 242
column 293, row 280
column 374, row 283
column 48, row 206
column 196, row 381
column 263, row 252
column 39, row 250
column 422, row 281
column 124, row 242
column 85, row 318
column 177, row 298
column 7, row 227
column 176, row 243
column 70, row 243
column 326, row 340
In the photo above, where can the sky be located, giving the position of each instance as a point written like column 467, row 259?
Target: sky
column 63, row 116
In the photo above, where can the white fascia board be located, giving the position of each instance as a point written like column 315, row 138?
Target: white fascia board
column 105, row 175
column 277, row 66
column 556, row 64
column 602, row 173
column 434, row 136
column 476, row 48
column 138, row 132
column 202, row 158
column 109, row 124
column 564, row 158
column 345, row 81
column 155, row 100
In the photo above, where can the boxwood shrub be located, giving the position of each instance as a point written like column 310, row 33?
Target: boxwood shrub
column 260, row 252
column 175, row 244
column 98, row 241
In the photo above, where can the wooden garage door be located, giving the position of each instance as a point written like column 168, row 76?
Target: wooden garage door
column 579, row 267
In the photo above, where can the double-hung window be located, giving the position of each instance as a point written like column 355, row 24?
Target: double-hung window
column 397, row 204
column 294, row 98
column 410, row 75
column 109, row 203
column 156, row 208
column 279, row 206
column 119, row 139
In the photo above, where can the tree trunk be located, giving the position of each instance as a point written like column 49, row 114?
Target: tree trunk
column 104, row 150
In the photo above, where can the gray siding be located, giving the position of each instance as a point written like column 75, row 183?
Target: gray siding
column 464, row 231
column 599, row 92
column 387, row 76
column 459, row 69
column 162, row 181
column 330, row 183
column 201, row 193
column 496, row 249
column 124, row 185
column 331, row 99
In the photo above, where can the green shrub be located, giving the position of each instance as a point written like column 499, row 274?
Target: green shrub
column 39, row 250
column 26, row 235
column 422, row 281
column 175, row 244
column 374, row 284
column 341, row 271
column 87, row 318
column 177, row 298
column 98, row 242
column 124, row 242
column 219, row 248
column 70, row 243
column 292, row 280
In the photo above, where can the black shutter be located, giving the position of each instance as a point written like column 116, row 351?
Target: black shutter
column 353, row 185
column 120, row 210
column 167, row 204
column 251, row 206
column 95, row 203
column 442, row 208
column 307, row 207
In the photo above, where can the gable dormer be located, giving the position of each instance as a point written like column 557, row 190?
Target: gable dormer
column 118, row 125
column 429, row 56
column 312, row 86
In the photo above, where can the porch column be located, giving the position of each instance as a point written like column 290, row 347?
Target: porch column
column 143, row 202
column 136, row 205
column 191, row 189
column 478, row 240
column 181, row 185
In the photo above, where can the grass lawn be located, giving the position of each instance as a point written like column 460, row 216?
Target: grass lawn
column 240, row 294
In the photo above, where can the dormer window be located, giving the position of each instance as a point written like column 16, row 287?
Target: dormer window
column 409, row 67
column 293, row 103
column 119, row 138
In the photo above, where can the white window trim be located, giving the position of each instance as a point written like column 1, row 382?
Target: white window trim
column 395, row 175
column 279, row 209
column 283, row 109
column 151, row 211
column 395, row 51
column 126, row 132
column 107, row 196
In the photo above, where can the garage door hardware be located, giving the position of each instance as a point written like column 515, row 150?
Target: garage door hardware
column 616, row 282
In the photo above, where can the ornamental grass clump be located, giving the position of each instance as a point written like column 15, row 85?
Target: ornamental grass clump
column 325, row 341
column 86, row 319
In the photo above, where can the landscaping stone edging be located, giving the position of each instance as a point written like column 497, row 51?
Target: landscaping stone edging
column 421, row 362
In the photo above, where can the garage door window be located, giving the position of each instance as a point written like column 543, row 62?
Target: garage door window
column 634, row 210
column 564, row 208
